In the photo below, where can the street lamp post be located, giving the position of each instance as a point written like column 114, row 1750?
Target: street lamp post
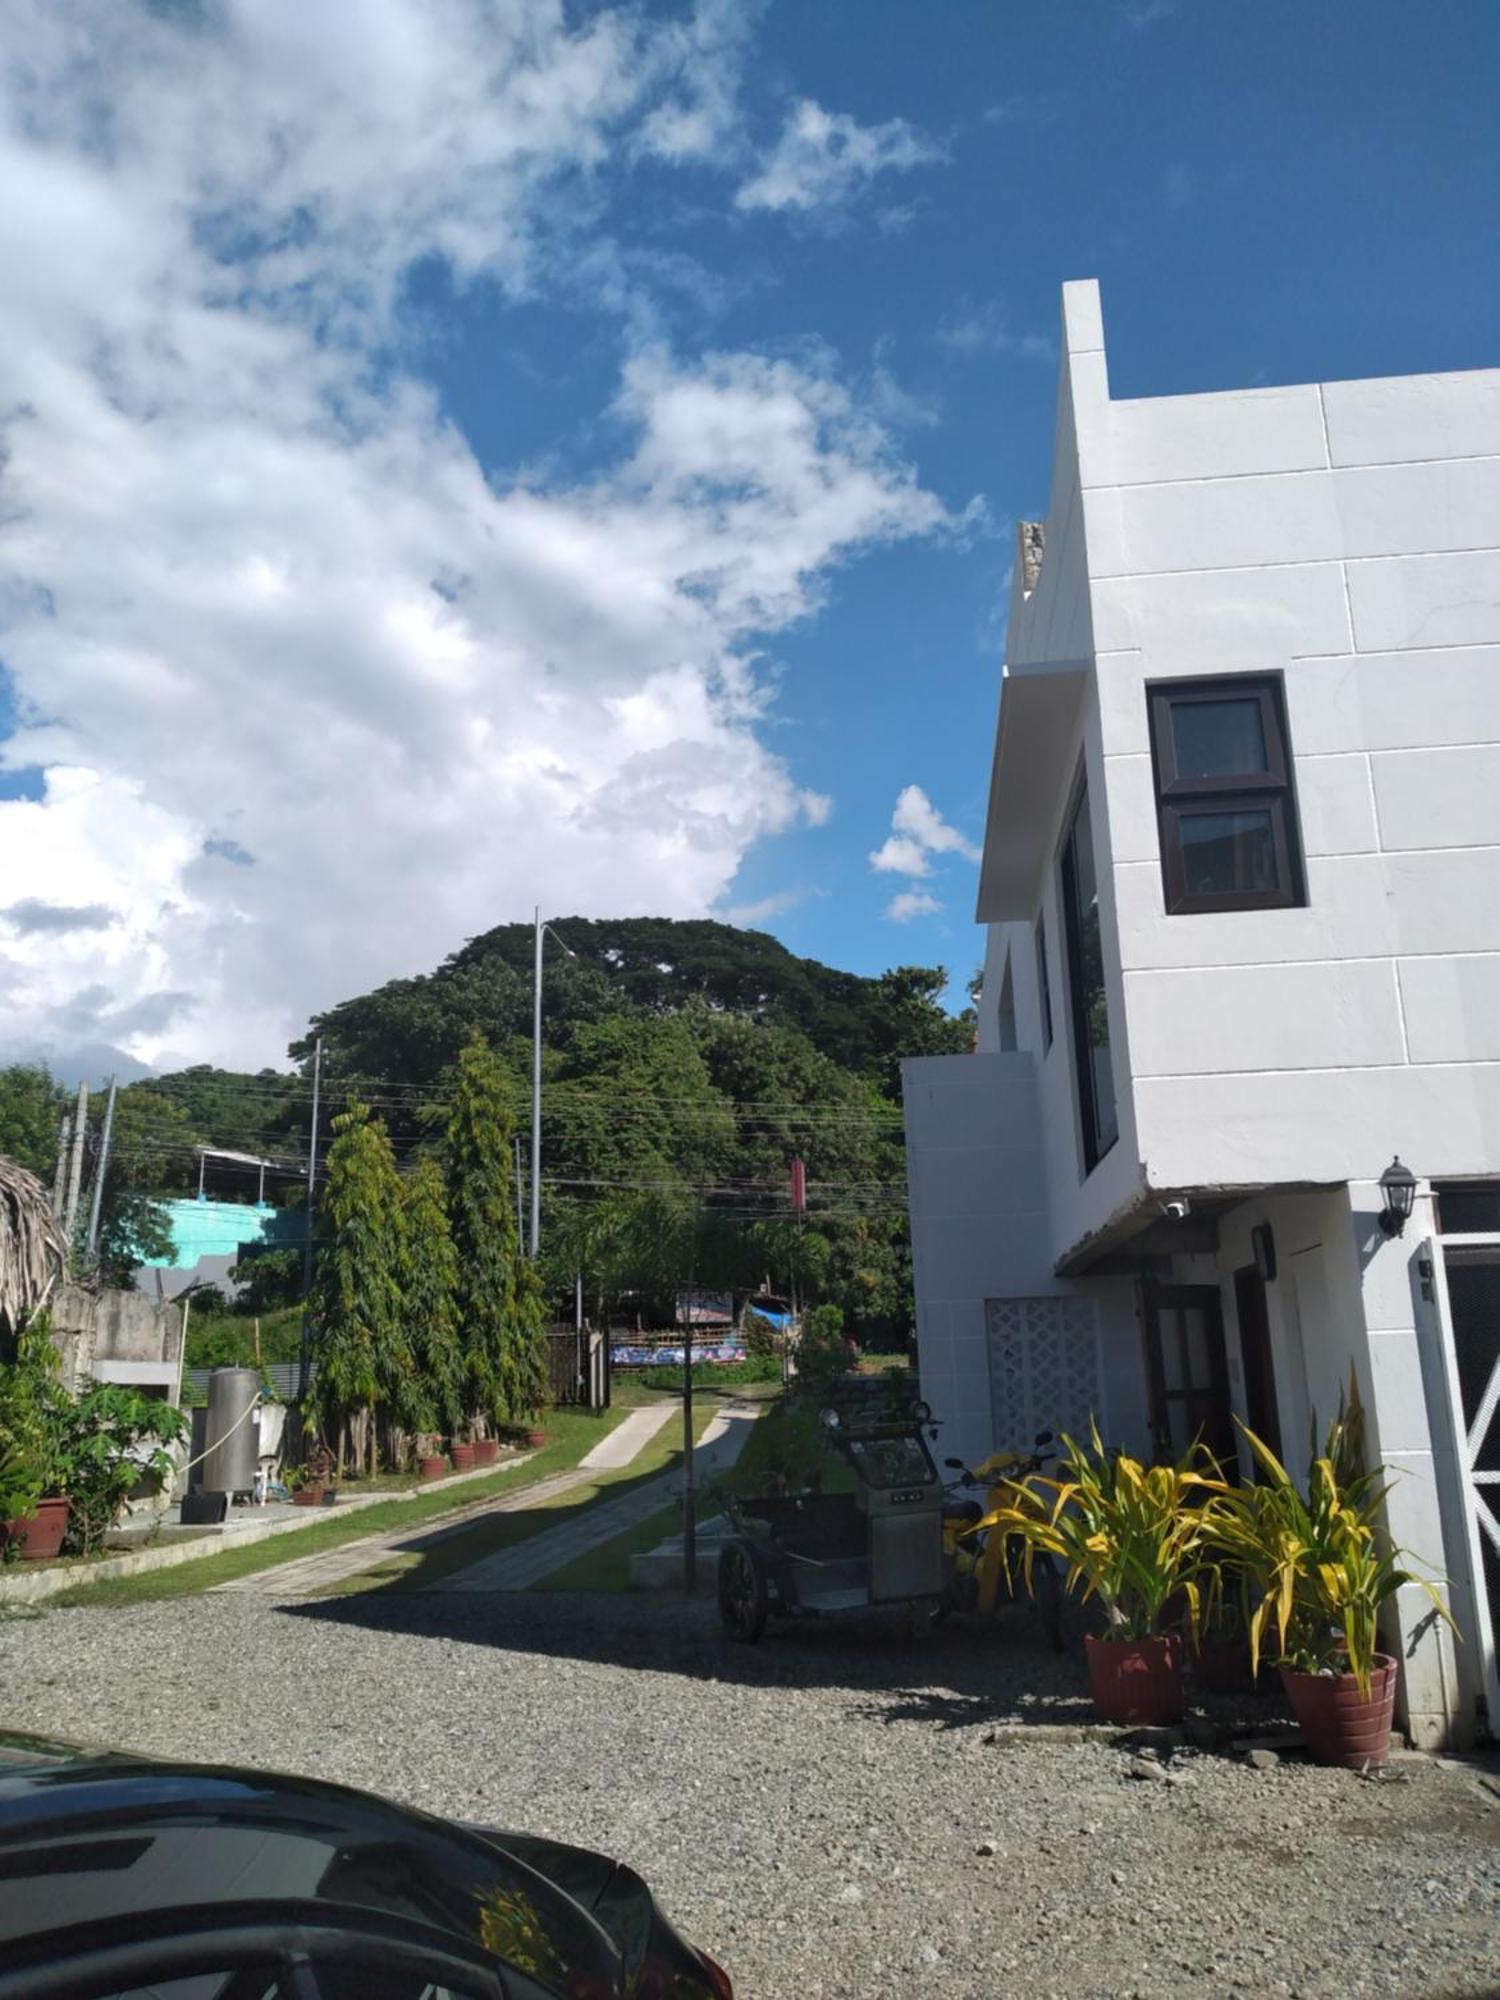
column 536, row 1081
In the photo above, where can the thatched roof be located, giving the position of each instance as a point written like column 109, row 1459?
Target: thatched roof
column 32, row 1252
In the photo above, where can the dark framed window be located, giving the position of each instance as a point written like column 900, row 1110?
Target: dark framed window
column 1225, row 805
column 1043, row 980
column 1095, row 1073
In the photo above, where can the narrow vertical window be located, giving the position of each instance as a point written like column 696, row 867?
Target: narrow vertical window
column 1007, row 1010
column 1043, row 980
column 1096, row 1080
column 1224, row 802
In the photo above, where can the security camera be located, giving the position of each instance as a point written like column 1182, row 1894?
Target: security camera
column 1177, row 1211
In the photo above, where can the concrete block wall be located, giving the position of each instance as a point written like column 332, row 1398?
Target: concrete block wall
column 981, row 1230
column 1346, row 536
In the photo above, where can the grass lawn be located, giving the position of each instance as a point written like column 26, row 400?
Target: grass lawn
column 571, row 1434
column 415, row 1569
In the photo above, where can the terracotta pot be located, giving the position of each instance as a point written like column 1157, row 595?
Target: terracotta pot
column 536, row 1439
column 463, row 1457
column 434, row 1467
column 1137, row 1682
column 486, row 1451
column 308, row 1496
column 39, row 1536
column 1340, row 1725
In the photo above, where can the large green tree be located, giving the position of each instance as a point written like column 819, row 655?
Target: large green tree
column 479, row 1167
column 429, row 1297
column 32, row 1108
column 364, row 1362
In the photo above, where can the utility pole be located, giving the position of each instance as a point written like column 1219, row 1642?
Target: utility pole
column 536, row 1092
column 520, row 1198
column 307, row 1247
column 101, row 1170
column 536, row 1080
column 60, row 1171
column 75, row 1166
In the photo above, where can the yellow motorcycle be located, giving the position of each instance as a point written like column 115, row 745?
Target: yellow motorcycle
column 975, row 1561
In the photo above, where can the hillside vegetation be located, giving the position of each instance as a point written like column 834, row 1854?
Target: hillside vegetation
column 685, row 1066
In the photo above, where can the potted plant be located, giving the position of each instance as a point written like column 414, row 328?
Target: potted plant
column 33, row 1512
column 536, row 1439
column 1319, row 1571
column 431, row 1463
column 109, row 1444
column 1132, row 1536
column 486, row 1450
column 310, row 1483
column 464, row 1455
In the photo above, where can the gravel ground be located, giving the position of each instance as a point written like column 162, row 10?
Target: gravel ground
column 839, row 1812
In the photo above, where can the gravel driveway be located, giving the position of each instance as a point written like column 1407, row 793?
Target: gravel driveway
column 842, row 1811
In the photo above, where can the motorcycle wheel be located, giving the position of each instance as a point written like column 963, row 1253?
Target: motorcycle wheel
column 744, row 1601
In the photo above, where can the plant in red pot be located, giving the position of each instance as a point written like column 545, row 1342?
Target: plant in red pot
column 33, row 1511
column 312, row 1483
column 1319, row 1573
column 431, row 1461
column 465, row 1456
column 1132, row 1536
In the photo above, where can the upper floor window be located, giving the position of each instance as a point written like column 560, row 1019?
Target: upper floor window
column 1224, row 800
column 1091, row 1055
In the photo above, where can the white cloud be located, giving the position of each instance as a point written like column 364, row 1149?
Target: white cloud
column 986, row 329
column 823, row 158
column 916, row 816
column 900, row 855
column 317, row 698
column 912, row 903
column 918, row 832
column 748, row 915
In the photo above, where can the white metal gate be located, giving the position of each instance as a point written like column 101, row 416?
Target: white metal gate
column 1466, row 1271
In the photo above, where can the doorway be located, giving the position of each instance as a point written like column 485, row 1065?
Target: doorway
column 1470, row 1290
column 1255, row 1354
column 1189, row 1376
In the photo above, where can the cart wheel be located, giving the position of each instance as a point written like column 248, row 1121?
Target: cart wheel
column 744, row 1602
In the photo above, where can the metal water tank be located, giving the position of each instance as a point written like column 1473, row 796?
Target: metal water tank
column 233, row 1435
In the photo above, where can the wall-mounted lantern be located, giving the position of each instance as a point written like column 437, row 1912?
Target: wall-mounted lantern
column 1398, row 1190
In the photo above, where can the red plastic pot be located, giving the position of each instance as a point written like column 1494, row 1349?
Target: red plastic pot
column 308, row 1496
column 39, row 1536
column 487, row 1451
column 463, row 1457
column 434, row 1467
column 536, row 1439
column 1137, row 1683
column 1340, row 1725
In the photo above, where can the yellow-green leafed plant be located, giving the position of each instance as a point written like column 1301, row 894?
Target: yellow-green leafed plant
column 1130, row 1534
column 1318, row 1571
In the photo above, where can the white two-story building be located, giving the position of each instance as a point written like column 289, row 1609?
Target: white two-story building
column 1241, row 880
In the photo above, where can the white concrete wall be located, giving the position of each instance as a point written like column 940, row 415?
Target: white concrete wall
column 980, row 1230
column 1347, row 1297
column 1344, row 535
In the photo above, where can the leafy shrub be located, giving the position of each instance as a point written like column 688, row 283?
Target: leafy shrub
column 822, row 1352
column 786, row 1452
column 105, row 1444
column 761, row 1338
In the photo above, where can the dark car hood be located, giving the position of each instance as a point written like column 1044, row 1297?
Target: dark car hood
column 115, row 1837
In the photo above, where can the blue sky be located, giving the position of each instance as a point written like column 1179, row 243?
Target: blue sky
column 477, row 452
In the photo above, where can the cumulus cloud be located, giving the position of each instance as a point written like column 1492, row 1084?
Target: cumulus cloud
column 912, row 903
column 918, row 832
column 315, row 696
column 824, row 158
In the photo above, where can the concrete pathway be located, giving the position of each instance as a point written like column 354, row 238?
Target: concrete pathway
column 554, row 1548
column 313, row 1573
column 629, row 1438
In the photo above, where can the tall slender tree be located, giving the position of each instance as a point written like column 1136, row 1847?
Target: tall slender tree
column 364, row 1363
column 482, row 1216
column 429, row 1284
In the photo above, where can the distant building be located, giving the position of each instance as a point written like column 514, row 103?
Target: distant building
column 210, row 1237
column 1241, row 880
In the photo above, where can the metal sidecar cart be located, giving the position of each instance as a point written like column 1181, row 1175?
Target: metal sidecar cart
column 817, row 1553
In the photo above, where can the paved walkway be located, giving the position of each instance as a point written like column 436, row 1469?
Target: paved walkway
column 629, row 1438
column 555, row 1548
column 309, row 1574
